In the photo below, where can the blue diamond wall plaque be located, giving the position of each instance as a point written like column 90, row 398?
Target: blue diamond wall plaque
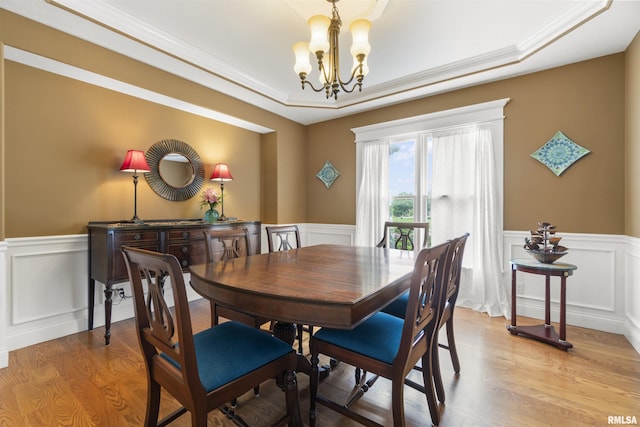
column 559, row 153
column 328, row 174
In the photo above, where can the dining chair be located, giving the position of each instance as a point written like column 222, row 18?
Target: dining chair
column 402, row 235
column 387, row 345
column 205, row 370
column 283, row 238
column 398, row 235
column 398, row 308
column 222, row 245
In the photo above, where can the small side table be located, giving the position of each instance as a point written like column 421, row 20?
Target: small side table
column 545, row 333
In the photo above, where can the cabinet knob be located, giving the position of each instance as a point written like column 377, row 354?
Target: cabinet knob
column 185, row 234
column 185, row 263
column 185, row 249
column 137, row 237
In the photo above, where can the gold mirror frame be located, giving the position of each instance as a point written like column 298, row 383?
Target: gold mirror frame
column 154, row 156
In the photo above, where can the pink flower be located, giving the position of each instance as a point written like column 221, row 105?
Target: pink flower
column 210, row 198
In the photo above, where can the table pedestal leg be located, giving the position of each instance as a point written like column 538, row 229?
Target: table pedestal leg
column 287, row 333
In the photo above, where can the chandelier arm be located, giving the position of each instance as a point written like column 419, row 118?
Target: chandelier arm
column 304, row 81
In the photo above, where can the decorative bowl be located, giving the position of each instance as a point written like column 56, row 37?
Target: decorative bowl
column 546, row 257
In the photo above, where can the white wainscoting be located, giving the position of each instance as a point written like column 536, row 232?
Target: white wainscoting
column 43, row 285
column 632, row 293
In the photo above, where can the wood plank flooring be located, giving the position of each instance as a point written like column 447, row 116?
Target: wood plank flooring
column 505, row 381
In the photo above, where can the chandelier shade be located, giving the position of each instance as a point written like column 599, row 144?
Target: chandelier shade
column 324, row 44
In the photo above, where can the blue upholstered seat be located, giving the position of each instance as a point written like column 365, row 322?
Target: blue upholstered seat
column 398, row 307
column 222, row 357
column 378, row 337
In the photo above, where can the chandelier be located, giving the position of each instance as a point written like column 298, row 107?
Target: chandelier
column 324, row 44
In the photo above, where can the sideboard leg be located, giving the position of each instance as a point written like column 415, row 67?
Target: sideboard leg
column 108, row 300
column 92, row 295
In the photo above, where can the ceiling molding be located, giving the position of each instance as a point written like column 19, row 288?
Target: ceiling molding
column 56, row 67
column 557, row 42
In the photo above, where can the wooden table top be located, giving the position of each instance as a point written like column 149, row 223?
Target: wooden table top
column 324, row 285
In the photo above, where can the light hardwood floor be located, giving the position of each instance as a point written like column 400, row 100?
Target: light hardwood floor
column 504, row 381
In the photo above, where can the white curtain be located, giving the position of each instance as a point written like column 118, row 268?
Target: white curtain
column 465, row 199
column 372, row 191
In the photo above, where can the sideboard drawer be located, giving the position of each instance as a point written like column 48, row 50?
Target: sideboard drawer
column 186, row 234
column 135, row 238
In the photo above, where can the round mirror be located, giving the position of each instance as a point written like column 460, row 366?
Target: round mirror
column 176, row 170
column 177, row 173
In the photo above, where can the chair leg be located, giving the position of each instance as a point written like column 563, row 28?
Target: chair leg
column 435, row 368
column 199, row 418
column 153, row 404
column 313, row 389
column 452, row 346
column 429, row 392
column 397, row 401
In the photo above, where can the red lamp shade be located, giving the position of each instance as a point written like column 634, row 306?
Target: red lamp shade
column 221, row 173
column 134, row 162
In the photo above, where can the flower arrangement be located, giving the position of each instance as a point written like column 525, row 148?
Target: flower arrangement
column 210, row 198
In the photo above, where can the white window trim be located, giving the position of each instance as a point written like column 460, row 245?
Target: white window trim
column 486, row 112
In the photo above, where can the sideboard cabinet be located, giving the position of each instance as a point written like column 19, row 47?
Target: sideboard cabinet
column 182, row 238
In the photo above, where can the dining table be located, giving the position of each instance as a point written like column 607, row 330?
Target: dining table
column 336, row 286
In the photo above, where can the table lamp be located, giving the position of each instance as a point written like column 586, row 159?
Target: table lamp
column 221, row 174
column 135, row 162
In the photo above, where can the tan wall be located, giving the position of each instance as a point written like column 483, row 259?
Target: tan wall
column 632, row 138
column 585, row 101
column 64, row 141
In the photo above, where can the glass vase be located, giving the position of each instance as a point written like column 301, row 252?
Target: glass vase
column 211, row 216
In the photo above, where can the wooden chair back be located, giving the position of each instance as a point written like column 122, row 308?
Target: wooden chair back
column 227, row 244
column 222, row 245
column 404, row 235
column 424, row 307
column 283, row 237
column 455, row 254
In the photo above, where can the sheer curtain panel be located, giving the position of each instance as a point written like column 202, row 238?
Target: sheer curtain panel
column 372, row 195
column 465, row 199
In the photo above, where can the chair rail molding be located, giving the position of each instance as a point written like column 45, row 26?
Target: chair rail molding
column 43, row 284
